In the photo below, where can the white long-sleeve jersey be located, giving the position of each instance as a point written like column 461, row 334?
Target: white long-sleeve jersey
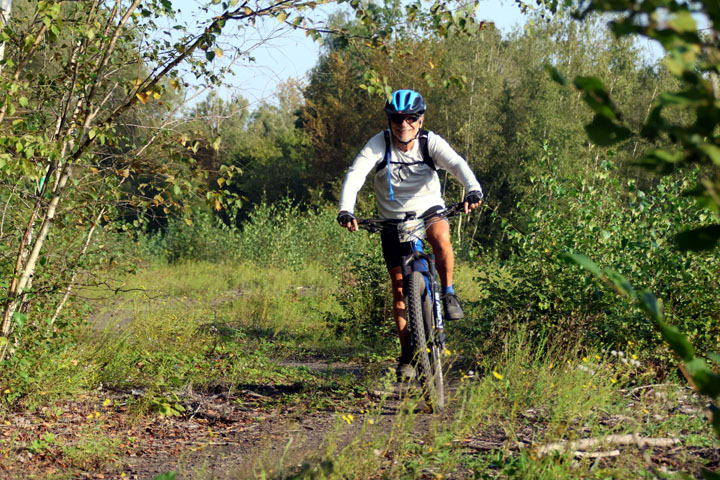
column 415, row 185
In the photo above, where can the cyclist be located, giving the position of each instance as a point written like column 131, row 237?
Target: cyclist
column 405, row 180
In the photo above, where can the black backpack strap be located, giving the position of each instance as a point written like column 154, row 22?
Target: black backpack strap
column 422, row 138
column 386, row 158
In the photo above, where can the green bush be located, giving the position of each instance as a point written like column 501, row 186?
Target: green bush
column 290, row 235
column 618, row 226
column 202, row 236
column 282, row 234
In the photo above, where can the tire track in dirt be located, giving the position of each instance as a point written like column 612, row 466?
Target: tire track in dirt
column 278, row 442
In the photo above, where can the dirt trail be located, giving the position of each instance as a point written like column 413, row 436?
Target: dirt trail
column 220, row 439
column 236, row 434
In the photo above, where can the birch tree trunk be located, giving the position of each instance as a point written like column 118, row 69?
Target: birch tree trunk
column 5, row 7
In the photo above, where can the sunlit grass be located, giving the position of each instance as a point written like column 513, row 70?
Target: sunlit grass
column 195, row 324
column 529, row 397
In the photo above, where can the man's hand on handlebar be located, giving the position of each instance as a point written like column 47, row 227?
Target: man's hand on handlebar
column 472, row 200
column 347, row 220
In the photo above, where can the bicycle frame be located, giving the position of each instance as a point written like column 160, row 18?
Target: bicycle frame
column 422, row 262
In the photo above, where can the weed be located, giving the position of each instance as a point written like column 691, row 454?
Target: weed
column 92, row 452
column 39, row 445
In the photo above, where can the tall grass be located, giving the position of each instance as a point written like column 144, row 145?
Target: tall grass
column 529, row 397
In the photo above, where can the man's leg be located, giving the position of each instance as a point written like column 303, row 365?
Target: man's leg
column 405, row 371
column 399, row 306
column 438, row 234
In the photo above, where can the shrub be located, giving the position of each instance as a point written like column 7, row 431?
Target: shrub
column 203, row 236
column 621, row 227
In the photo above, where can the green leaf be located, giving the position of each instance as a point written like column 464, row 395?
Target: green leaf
column 19, row 318
column 660, row 161
column 23, row 101
column 588, row 84
column 664, row 155
column 604, row 132
column 711, row 151
column 210, row 55
column 677, row 340
column 683, row 22
column 621, row 283
column 715, row 357
column 706, row 381
column 583, row 261
column 682, row 98
column 699, row 239
column 651, row 305
column 556, row 75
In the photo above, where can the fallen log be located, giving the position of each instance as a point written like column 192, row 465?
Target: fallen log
column 627, row 439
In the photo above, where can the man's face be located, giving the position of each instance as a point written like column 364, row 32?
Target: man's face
column 405, row 127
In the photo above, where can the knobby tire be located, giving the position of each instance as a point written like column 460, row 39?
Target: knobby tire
column 420, row 326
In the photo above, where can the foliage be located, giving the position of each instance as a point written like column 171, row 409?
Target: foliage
column 695, row 368
column 688, row 116
column 265, row 152
column 290, row 235
column 694, row 58
column 365, row 298
column 615, row 221
column 71, row 86
column 498, row 118
column 200, row 236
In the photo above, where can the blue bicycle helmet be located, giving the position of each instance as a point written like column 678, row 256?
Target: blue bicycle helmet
column 405, row 102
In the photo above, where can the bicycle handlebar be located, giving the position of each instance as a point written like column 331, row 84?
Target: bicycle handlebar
column 373, row 225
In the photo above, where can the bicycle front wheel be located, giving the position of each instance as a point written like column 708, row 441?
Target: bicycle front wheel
column 420, row 326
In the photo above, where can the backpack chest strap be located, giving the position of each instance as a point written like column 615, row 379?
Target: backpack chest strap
column 423, row 141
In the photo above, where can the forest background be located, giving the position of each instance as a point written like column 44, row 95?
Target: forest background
column 106, row 175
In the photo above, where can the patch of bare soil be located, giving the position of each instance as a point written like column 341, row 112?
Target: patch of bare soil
column 217, row 436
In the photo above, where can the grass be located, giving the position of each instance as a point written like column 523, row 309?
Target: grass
column 530, row 397
column 181, row 327
column 181, row 324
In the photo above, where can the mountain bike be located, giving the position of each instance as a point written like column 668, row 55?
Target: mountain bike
column 422, row 298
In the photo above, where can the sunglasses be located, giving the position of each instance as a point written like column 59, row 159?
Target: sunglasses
column 399, row 119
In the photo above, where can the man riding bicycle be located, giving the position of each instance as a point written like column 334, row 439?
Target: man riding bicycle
column 405, row 158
